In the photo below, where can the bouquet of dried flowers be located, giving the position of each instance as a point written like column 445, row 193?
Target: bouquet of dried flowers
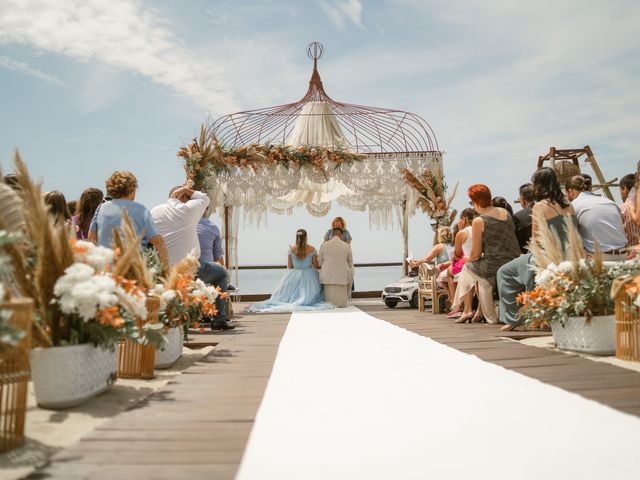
column 568, row 283
column 432, row 195
column 184, row 299
column 80, row 291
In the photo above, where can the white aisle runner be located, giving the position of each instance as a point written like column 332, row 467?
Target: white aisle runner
column 354, row 397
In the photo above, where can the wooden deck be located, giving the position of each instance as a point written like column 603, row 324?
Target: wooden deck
column 199, row 424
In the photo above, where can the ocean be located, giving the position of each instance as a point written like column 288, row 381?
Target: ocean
column 367, row 278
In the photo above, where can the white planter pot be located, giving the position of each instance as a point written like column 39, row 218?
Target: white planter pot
column 172, row 350
column 68, row 376
column 598, row 337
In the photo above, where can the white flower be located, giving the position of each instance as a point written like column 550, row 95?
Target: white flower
column 82, row 292
column 565, row 266
column 95, row 255
column 168, row 295
column 544, row 277
column 78, row 272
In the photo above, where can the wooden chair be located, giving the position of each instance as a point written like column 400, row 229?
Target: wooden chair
column 428, row 288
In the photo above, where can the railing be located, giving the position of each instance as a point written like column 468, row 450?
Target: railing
column 358, row 265
column 356, row 294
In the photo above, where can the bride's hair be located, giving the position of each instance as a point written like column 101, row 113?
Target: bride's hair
column 301, row 243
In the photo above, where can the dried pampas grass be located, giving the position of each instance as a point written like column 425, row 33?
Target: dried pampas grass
column 131, row 264
column 187, row 266
column 547, row 248
column 53, row 252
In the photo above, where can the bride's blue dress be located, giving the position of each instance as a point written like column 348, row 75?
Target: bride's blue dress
column 300, row 289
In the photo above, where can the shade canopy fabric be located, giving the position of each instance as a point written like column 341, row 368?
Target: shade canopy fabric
column 317, row 125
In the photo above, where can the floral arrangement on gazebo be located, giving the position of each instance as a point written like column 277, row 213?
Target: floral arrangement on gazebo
column 205, row 156
column 432, row 195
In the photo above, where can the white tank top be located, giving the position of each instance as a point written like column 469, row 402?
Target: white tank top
column 466, row 246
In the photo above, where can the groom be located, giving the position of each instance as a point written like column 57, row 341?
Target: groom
column 336, row 273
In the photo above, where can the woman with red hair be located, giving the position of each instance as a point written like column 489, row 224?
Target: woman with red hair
column 493, row 243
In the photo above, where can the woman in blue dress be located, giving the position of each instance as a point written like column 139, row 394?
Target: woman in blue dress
column 300, row 289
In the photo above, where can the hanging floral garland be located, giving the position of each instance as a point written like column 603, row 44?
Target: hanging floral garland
column 432, row 195
column 205, row 157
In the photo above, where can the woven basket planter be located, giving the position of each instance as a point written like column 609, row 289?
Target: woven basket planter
column 172, row 350
column 67, row 376
column 135, row 360
column 596, row 337
column 14, row 377
column 627, row 327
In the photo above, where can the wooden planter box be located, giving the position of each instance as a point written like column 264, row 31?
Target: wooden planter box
column 135, row 360
column 14, row 377
column 627, row 327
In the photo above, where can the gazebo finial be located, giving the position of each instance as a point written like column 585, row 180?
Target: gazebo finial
column 316, row 90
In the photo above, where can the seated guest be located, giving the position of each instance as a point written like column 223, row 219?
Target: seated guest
column 90, row 200
column 493, row 244
column 522, row 218
column 177, row 220
column 121, row 188
column 628, row 209
column 58, row 208
column 441, row 252
column 501, row 202
column 72, row 205
column 599, row 220
column 461, row 250
column 210, row 240
column 518, row 275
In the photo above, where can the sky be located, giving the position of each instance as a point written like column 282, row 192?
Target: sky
column 92, row 86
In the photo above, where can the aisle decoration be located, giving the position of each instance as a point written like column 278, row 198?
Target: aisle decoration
column 572, row 292
column 184, row 300
column 16, row 316
column 433, row 197
column 626, row 292
column 136, row 358
column 82, row 306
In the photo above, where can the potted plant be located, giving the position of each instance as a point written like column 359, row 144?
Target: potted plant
column 136, row 356
column 82, row 307
column 183, row 302
column 572, row 293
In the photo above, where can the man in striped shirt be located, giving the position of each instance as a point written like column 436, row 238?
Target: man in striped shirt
column 628, row 207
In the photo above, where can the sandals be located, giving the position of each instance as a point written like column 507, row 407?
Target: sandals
column 455, row 314
column 509, row 328
column 465, row 318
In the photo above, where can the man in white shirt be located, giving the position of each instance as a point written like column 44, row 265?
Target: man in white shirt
column 177, row 220
column 599, row 220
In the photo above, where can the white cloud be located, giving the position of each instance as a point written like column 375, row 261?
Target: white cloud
column 22, row 67
column 342, row 12
column 120, row 33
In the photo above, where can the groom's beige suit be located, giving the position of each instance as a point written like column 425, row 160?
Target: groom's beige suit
column 336, row 272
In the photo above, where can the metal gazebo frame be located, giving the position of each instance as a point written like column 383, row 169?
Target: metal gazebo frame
column 372, row 131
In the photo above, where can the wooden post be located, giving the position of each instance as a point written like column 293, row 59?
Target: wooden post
column 227, row 258
column 596, row 169
column 405, row 236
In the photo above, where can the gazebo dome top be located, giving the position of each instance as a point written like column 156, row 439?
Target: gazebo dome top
column 317, row 119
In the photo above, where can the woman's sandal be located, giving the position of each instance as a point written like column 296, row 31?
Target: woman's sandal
column 478, row 319
column 465, row 318
column 509, row 328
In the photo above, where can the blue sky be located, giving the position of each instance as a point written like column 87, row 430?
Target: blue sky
column 93, row 86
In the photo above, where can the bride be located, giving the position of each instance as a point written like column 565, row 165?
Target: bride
column 300, row 289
